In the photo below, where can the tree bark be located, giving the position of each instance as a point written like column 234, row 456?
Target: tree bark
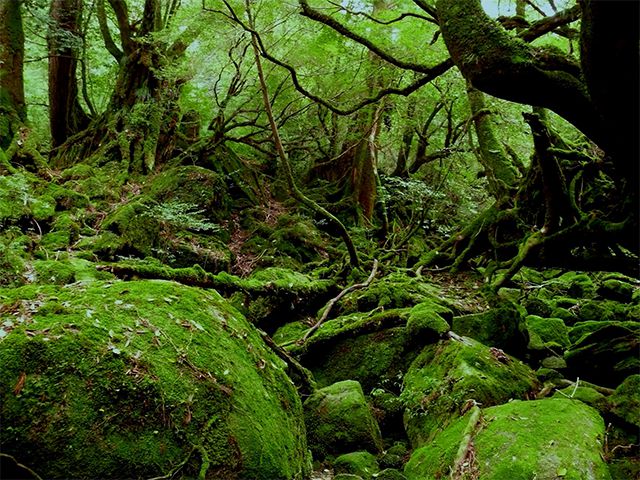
column 498, row 167
column 66, row 115
column 506, row 67
column 13, row 111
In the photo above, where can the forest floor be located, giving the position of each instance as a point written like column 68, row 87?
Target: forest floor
column 166, row 331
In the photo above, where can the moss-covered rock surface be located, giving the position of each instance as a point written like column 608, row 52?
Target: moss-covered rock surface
column 143, row 379
column 552, row 438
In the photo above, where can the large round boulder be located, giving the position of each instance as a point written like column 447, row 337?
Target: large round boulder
column 142, row 379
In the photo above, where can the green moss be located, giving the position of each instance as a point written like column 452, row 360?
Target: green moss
column 14, row 248
column 551, row 438
column 585, row 394
column 600, row 310
column 66, row 271
column 19, row 200
column 290, row 332
column 339, row 420
column 616, row 290
column 555, row 437
column 363, row 464
column 131, row 378
column 625, row 402
column 373, row 350
column 197, row 186
column 433, row 460
column 396, row 290
column 390, row 474
column 604, row 353
column 498, row 327
column 427, row 320
column 444, row 377
column 546, row 333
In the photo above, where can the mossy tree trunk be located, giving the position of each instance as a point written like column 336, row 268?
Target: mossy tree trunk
column 498, row 167
column 13, row 111
column 140, row 123
column 66, row 115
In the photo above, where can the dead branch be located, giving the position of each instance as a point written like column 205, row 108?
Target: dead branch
column 335, row 300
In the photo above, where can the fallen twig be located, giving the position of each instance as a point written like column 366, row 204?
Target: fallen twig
column 335, row 300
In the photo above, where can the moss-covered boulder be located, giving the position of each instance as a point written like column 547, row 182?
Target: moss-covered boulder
column 363, row 464
column 605, row 353
column 142, row 379
column 374, row 349
column 390, row 474
column 497, row 327
column 429, row 320
column 600, row 311
column 396, row 290
column 191, row 185
column 520, row 440
column 448, row 377
column 585, row 394
column 625, row 402
column 339, row 420
column 618, row 290
column 546, row 334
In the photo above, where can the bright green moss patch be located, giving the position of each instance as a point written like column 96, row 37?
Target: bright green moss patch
column 521, row 440
column 363, row 464
column 541, row 439
column 625, row 402
column 444, row 377
column 130, row 379
column 427, row 320
column 546, row 333
column 497, row 327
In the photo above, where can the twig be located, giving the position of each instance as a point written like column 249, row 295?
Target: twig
column 335, row 300
column 21, row 466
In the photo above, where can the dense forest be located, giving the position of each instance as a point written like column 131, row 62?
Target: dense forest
column 319, row 239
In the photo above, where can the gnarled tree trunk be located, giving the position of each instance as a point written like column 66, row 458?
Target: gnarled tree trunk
column 13, row 111
column 66, row 115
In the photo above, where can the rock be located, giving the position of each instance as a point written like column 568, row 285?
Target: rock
column 545, row 439
column 290, row 332
column 546, row 334
column 537, row 306
column 448, row 377
column 388, row 409
column 616, row 290
column 605, row 353
column 554, row 362
column 625, row 402
column 375, row 350
column 600, row 311
column 389, row 460
column 389, row 474
column 130, row 379
column 362, row 464
column 585, row 394
column 396, row 290
column 427, row 321
column 497, row 327
column 339, row 420
column 290, row 290
column 575, row 284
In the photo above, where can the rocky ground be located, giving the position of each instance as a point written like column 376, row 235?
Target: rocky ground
column 121, row 359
